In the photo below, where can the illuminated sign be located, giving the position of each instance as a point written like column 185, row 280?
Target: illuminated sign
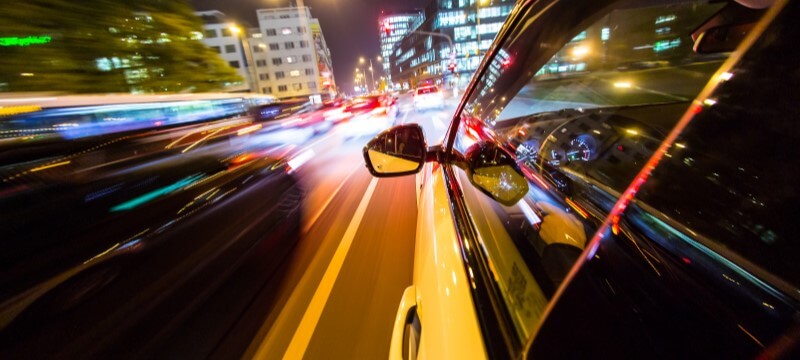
column 24, row 41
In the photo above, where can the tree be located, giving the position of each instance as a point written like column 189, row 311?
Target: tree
column 108, row 46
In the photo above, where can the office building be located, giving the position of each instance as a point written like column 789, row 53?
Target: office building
column 220, row 35
column 292, row 59
column 469, row 25
column 394, row 27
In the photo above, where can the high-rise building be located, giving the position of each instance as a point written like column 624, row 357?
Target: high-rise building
column 219, row 33
column 393, row 27
column 295, row 61
column 469, row 25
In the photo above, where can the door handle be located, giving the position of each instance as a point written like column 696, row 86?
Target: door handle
column 407, row 303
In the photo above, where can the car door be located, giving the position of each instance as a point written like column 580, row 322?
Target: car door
column 581, row 94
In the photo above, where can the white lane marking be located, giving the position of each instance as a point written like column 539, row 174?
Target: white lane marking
column 302, row 336
column 327, row 202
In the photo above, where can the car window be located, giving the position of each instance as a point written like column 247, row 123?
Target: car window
column 729, row 183
column 427, row 90
column 581, row 99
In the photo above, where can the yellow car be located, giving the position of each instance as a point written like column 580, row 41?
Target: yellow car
column 582, row 207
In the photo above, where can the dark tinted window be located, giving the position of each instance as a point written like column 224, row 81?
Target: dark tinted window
column 732, row 176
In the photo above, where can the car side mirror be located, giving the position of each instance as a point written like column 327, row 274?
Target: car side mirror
column 495, row 172
column 398, row 151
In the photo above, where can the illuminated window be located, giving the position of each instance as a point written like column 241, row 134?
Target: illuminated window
column 286, row 31
column 294, row 73
column 663, row 45
column 291, row 59
column 665, row 18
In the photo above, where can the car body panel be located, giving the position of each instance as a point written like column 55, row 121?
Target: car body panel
column 444, row 305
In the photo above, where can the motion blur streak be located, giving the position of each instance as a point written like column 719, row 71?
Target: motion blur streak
column 249, row 129
column 301, row 159
column 44, row 167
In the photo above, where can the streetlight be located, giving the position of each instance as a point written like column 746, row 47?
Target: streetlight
column 362, row 60
column 360, row 78
column 248, row 57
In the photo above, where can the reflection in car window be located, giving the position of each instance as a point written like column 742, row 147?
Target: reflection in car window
column 583, row 99
column 731, row 179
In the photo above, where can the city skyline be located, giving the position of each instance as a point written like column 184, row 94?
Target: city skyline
column 347, row 40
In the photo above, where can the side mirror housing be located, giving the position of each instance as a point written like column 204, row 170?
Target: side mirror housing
column 398, row 151
column 724, row 38
column 495, row 172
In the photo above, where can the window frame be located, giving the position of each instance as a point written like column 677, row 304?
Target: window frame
column 500, row 342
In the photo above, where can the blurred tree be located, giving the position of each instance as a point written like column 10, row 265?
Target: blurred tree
column 108, row 46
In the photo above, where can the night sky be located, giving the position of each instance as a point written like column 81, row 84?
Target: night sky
column 349, row 26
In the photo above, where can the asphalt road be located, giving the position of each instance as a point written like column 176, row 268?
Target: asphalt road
column 338, row 293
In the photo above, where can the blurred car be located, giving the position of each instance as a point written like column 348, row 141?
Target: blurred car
column 371, row 104
column 278, row 110
column 579, row 209
column 368, row 115
column 139, row 245
column 427, row 97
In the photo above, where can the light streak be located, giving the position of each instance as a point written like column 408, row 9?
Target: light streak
column 45, row 167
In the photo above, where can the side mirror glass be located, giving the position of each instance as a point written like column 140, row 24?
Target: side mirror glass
column 397, row 151
column 495, row 172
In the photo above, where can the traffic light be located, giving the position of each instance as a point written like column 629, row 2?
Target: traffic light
column 452, row 68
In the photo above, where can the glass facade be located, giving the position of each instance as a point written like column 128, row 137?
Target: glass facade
column 393, row 27
column 470, row 26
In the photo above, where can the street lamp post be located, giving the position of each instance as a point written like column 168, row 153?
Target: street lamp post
column 371, row 72
column 362, row 60
column 361, row 79
column 248, row 56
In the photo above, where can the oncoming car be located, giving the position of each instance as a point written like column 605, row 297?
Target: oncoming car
column 583, row 206
column 427, row 97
